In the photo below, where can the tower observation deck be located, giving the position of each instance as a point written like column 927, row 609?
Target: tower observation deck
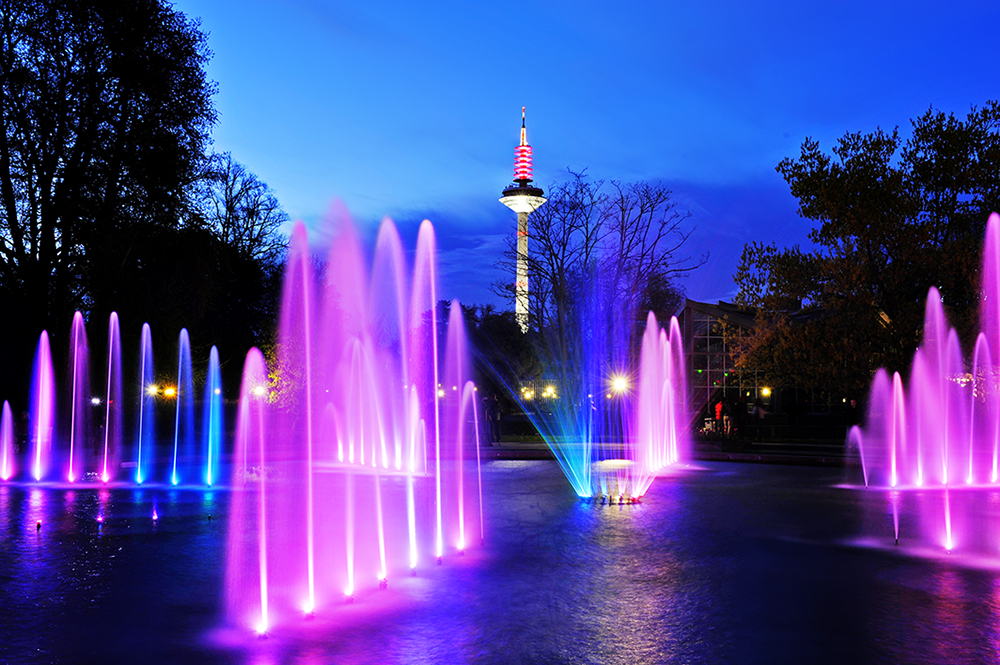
column 524, row 199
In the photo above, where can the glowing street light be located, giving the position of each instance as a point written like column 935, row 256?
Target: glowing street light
column 619, row 384
column 259, row 391
column 170, row 391
column 96, row 401
column 152, row 390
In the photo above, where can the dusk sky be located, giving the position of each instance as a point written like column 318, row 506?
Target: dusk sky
column 412, row 109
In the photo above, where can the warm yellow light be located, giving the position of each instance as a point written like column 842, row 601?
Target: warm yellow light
column 259, row 391
column 765, row 392
column 169, row 392
column 218, row 391
column 440, row 392
column 152, row 390
column 619, row 384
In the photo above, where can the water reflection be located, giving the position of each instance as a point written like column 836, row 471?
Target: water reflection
column 734, row 564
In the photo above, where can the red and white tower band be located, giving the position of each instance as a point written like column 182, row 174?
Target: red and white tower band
column 523, row 199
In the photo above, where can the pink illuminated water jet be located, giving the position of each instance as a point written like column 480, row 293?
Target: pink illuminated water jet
column 936, row 441
column 349, row 465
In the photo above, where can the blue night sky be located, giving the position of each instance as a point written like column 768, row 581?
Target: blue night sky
column 412, row 109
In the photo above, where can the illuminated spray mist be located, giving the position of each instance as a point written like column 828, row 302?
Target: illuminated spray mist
column 86, row 438
column 184, row 410
column 43, row 418
column 112, row 402
column 6, row 443
column 146, row 430
column 79, row 375
column 936, row 441
column 212, row 425
column 368, row 465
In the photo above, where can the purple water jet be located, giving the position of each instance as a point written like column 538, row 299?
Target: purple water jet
column 148, row 390
column 43, row 409
column 939, row 437
column 183, row 411
column 6, row 443
column 113, row 403
column 79, row 406
column 352, row 463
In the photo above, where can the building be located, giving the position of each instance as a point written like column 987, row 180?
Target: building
column 794, row 411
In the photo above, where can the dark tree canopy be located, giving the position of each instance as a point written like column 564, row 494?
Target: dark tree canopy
column 242, row 211
column 893, row 218
column 106, row 185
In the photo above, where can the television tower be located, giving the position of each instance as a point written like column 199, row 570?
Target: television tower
column 523, row 199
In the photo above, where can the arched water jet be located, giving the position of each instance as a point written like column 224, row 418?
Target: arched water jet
column 112, row 402
column 384, row 468
column 42, row 417
column 6, row 443
column 184, row 410
column 79, row 406
column 943, row 431
column 148, row 391
column 212, row 425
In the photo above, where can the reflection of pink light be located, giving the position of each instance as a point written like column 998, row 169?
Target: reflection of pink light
column 155, row 516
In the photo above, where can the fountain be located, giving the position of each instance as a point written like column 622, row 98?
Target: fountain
column 612, row 411
column 933, row 446
column 146, row 430
column 112, row 403
column 6, row 442
column 350, row 461
column 79, row 406
column 183, row 412
column 212, row 429
column 81, row 436
column 42, row 421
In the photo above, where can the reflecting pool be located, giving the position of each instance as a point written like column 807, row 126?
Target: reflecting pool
column 721, row 563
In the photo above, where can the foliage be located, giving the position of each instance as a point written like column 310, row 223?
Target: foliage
column 599, row 258
column 242, row 211
column 105, row 182
column 895, row 217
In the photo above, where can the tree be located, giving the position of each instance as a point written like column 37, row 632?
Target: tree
column 242, row 211
column 616, row 251
column 106, row 112
column 599, row 259
column 894, row 217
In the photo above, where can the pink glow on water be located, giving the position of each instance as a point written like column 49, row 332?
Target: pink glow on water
column 364, row 470
column 42, row 417
column 6, row 443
